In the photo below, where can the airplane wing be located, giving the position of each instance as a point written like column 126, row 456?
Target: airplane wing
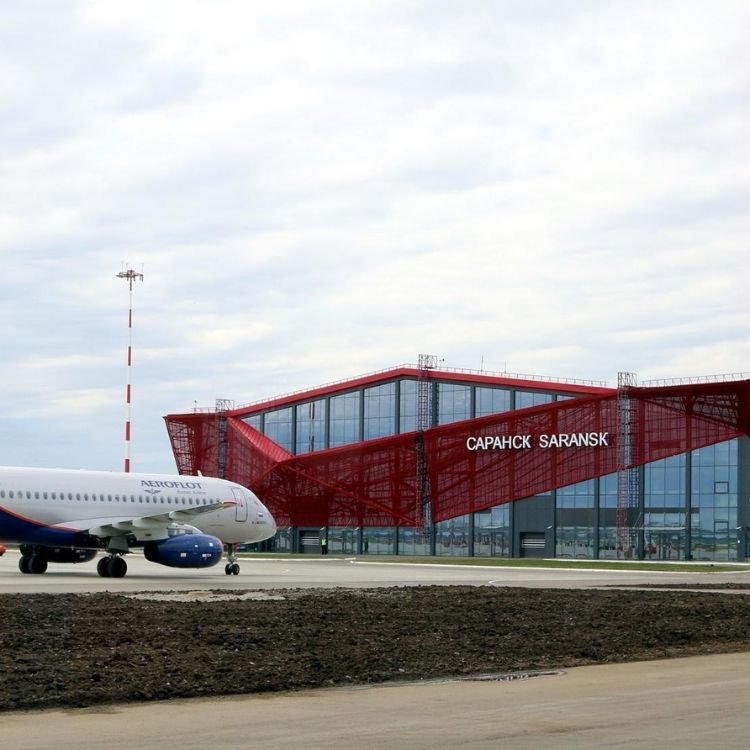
column 121, row 525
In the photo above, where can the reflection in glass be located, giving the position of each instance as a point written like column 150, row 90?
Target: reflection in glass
column 278, row 427
column 492, row 401
column 408, row 406
column 525, row 399
column 380, row 411
column 311, row 426
column 454, row 403
column 345, row 418
column 452, row 537
column 492, row 532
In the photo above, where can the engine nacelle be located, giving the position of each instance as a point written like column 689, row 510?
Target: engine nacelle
column 59, row 554
column 185, row 551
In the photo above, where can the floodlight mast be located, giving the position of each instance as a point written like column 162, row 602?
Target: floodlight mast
column 131, row 276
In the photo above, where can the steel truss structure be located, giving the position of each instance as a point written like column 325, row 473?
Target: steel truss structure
column 382, row 482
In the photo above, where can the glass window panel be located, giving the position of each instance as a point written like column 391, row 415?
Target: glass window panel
column 714, row 489
column 492, row 401
column 454, row 403
column 452, row 537
column 608, row 491
column 525, row 399
column 311, row 426
column 378, row 541
column 254, row 421
column 574, row 542
column 674, row 480
column 414, row 541
column 380, row 411
column 278, row 427
column 655, row 479
column 579, row 495
column 721, row 454
column 492, row 532
column 706, row 479
column 408, row 406
column 607, row 542
column 345, row 418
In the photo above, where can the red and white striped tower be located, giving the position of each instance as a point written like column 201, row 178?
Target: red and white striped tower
column 131, row 276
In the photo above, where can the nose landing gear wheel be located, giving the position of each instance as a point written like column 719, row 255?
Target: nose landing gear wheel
column 232, row 568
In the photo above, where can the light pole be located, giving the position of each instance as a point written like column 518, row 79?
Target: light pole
column 131, row 276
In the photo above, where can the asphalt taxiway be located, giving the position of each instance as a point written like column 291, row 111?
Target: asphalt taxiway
column 329, row 572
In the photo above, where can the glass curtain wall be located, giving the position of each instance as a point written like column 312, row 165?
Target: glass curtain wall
column 283, row 540
column 380, row 411
column 491, row 401
column 278, row 427
column 343, row 540
column 408, row 406
column 452, row 537
column 311, row 426
column 525, row 399
column 414, row 540
column 492, row 532
column 607, row 517
column 664, row 499
column 255, row 422
column 575, row 520
column 379, row 541
column 454, row 403
column 713, row 499
column 345, row 419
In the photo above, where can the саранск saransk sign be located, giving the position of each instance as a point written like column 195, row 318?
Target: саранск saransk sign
column 519, row 442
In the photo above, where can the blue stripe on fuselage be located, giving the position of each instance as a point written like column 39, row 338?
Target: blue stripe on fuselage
column 15, row 528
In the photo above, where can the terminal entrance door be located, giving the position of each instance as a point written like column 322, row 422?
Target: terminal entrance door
column 533, row 544
column 309, row 541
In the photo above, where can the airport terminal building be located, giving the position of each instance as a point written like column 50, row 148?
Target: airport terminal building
column 423, row 460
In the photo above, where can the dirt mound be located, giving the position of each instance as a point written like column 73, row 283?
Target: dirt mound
column 82, row 650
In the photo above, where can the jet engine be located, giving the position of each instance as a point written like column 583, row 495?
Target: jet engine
column 185, row 551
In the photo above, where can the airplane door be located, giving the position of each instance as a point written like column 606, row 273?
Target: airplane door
column 241, row 507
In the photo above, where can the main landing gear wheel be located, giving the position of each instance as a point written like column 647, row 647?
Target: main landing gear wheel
column 232, row 567
column 111, row 566
column 34, row 564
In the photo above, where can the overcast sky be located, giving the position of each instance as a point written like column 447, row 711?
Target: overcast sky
column 319, row 189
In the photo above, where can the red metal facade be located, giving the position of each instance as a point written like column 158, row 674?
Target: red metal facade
column 375, row 483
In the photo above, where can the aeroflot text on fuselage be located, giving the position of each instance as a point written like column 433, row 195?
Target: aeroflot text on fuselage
column 519, row 442
column 171, row 485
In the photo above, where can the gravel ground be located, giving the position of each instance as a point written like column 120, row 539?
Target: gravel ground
column 84, row 650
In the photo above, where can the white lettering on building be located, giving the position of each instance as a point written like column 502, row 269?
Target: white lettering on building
column 498, row 442
column 518, row 442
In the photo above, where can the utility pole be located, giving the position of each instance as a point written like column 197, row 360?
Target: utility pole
column 132, row 277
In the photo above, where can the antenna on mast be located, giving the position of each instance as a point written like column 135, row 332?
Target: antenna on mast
column 131, row 276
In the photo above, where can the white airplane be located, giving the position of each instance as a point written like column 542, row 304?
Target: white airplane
column 67, row 516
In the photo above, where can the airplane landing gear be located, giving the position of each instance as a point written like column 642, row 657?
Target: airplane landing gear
column 232, row 568
column 32, row 563
column 112, row 566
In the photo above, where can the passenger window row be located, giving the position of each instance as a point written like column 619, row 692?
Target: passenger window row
column 98, row 497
